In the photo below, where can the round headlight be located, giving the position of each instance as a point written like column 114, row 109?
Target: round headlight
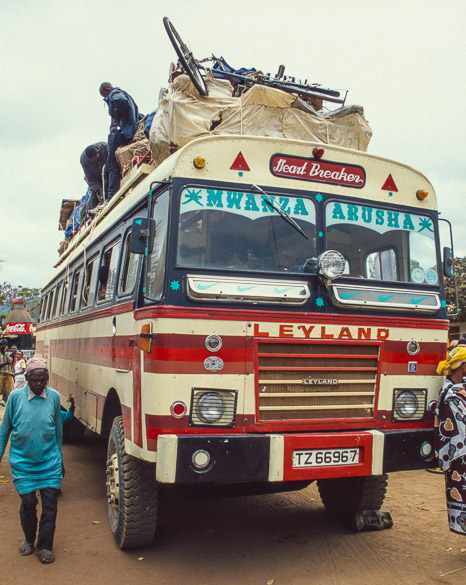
column 331, row 264
column 406, row 404
column 210, row 407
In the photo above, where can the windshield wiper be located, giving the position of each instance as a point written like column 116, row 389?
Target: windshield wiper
column 271, row 203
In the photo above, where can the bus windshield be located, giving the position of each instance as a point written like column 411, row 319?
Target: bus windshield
column 383, row 244
column 245, row 231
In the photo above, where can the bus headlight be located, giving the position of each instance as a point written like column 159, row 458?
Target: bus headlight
column 409, row 404
column 331, row 264
column 210, row 407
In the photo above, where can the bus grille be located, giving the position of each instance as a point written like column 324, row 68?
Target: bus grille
column 309, row 381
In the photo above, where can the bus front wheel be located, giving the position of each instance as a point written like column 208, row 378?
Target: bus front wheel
column 132, row 493
column 348, row 495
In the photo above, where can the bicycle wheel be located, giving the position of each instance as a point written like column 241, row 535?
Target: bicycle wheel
column 187, row 60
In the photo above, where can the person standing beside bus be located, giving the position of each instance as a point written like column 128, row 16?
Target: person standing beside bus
column 125, row 118
column 450, row 436
column 33, row 419
column 6, row 372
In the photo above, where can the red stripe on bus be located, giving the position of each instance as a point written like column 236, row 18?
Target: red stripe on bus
column 137, row 407
column 223, row 314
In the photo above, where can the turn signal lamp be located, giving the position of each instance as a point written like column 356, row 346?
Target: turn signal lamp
column 318, row 152
column 421, row 194
column 199, row 162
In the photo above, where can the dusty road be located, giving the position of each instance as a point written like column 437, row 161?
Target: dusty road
column 285, row 539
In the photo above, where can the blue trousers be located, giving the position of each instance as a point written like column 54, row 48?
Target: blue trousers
column 112, row 171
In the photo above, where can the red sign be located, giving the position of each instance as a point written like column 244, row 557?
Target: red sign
column 240, row 164
column 18, row 328
column 309, row 169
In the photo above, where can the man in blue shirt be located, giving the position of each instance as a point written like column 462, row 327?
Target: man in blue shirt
column 33, row 419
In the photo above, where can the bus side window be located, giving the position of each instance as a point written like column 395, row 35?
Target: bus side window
column 50, row 303
column 129, row 269
column 64, row 296
column 107, row 272
column 90, row 277
column 75, row 290
column 55, row 302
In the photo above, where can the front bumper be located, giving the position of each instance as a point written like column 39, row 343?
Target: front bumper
column 268, row 458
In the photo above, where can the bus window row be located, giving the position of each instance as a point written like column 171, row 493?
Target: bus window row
column 92, row 281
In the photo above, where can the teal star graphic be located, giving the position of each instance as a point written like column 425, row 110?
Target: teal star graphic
column 193, row 196
column 319, row 197
column 175, row 285
column 424, row 223
column 320, row 302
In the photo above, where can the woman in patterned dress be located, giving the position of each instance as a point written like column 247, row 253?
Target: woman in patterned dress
column 450, row 436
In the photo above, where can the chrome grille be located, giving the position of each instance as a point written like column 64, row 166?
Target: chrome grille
column 309, row 381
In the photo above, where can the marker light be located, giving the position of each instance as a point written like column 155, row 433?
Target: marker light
column 318, row 152
column 213, row 342
column 178, row 409
column 421, row 194
column 199, row 162
column 201, row 459
column 331, row 264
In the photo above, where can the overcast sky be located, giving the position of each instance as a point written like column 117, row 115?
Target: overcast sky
column 403, row 61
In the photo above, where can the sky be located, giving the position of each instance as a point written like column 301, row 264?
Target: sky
column 404, row 62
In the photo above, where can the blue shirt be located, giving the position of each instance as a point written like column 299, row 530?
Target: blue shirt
column 35, row 425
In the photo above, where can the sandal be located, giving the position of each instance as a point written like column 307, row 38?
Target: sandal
column 26, row 548
column 45, row 556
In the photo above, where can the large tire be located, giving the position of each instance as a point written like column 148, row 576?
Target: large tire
column 348, row 495
column 132, row 493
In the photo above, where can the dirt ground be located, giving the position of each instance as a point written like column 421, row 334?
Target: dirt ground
column 280, row 539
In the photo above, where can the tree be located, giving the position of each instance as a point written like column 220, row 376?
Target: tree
column 31, row 297
column 452, row 306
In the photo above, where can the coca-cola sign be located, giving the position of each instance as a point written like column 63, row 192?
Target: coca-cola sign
column 320, row 171
column 18, row 328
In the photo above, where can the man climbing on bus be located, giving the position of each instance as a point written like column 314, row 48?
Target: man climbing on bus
column 93, row 160
column 125, row 118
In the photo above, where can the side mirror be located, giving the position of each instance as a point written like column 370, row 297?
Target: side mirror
column 448, row 262
column 142, row 236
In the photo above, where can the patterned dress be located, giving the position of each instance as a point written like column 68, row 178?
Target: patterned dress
column 450, row 445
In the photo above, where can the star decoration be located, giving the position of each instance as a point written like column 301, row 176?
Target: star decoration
column 319, row 197
column 175, row 285
column 319, row 301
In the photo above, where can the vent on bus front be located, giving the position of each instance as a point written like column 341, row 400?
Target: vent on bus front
column 310, row 381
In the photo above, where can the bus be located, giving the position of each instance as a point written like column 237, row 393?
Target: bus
column 254, row 313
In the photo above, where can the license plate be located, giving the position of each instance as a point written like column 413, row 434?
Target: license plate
column 323, row 457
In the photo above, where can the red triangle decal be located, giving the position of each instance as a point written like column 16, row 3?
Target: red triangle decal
column 389, row 184
column 240, row 164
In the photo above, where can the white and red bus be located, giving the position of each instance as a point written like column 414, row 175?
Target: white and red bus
column 256, row 312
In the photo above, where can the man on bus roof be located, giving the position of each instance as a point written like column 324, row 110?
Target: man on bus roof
column 125, row 118
column 93, row 160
